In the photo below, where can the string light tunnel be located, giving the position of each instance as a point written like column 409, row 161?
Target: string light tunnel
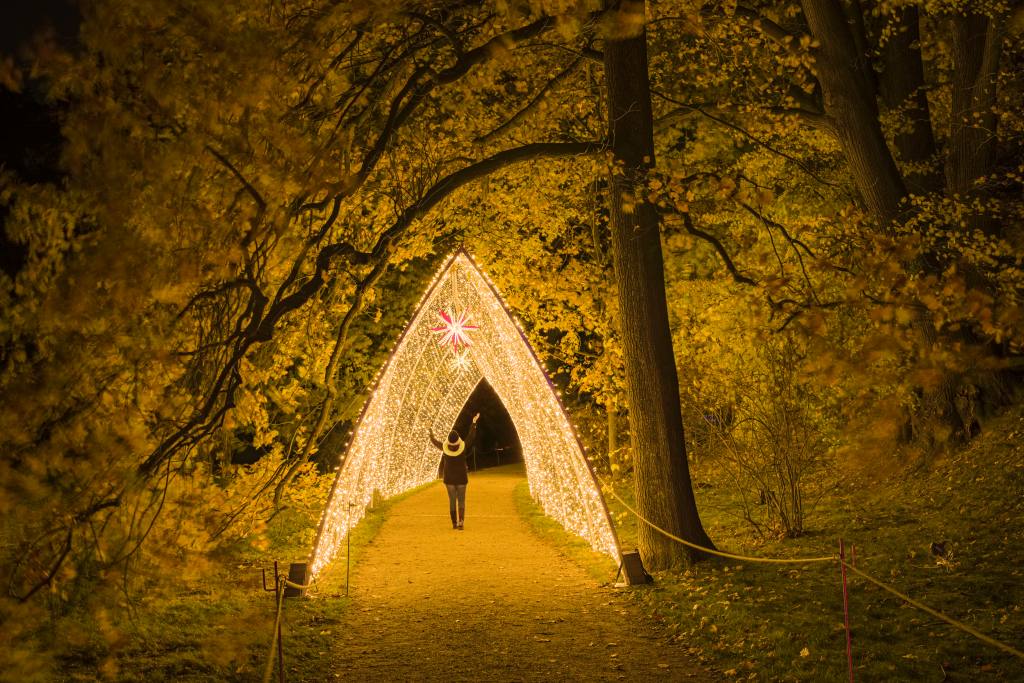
column 461, row 334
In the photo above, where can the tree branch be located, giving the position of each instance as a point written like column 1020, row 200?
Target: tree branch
column 449, row 35
column 795, row 243
column 52, row 572
column 753, row 138
column 812, row 119
column 692, row 229
column 262, row 325
column 769, row 28
column 249, row 188
column 422, row 81
column 529, row 106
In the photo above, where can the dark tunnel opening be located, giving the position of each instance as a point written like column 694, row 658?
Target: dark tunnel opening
column 497, row 442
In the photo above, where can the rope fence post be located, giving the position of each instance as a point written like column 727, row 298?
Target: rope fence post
column 276, row 639
column 846, row 608
column 280, row 645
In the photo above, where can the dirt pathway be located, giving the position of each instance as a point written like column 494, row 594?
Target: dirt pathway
column 491, row 603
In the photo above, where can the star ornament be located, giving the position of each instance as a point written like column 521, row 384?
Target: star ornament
column 461, row 361
column 454, row 329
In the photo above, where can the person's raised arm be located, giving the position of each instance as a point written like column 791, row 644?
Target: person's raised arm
column 435, row 441
column 471, row 437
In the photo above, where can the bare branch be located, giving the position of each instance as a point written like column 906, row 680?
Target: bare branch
column 253, row 192
column 222, row 288
column 727, row 261
column 531, row 105
column 52, row 572
column 793, row 242
column 775, row 224
column 450, row 35
column 753, row 138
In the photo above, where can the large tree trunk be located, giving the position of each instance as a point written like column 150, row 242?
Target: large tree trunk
column 902, row 87
column 664, row 493
column 975, row 45
column 849, row 94
column 612, row 413
column 850, row 97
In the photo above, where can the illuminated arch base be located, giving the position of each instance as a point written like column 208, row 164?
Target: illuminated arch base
column 423, row 388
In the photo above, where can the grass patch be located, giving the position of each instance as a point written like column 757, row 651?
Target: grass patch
column 220, row 628
column 749, row 621
column 598, row 566
column 762, row 622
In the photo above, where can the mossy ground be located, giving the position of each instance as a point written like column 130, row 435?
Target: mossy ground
column 745, row 621
column 752, row 621
column 219, row 628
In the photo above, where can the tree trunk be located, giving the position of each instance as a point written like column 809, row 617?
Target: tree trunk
column 849, row 95
column 902, row 87
column 664, row 493
column 850, row 98
column 975, row 45
column 612, row 411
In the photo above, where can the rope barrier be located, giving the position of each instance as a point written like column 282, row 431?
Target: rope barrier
column 282, row 582
column 276, row 645
column 268, row 670
column 938, row 615
column 808, row 560
column 711, row 551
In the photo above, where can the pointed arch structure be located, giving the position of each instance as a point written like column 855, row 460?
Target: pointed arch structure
column 422, row 389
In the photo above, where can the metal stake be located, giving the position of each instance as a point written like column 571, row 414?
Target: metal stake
column 846, row 608
column 280, row 650
column 348, row 548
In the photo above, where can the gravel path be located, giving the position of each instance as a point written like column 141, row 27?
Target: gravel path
column 491, row 603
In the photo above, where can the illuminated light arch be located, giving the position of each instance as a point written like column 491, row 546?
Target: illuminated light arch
column 423, row 388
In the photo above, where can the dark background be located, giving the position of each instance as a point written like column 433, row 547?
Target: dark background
column 497, row 442
column 30, row 139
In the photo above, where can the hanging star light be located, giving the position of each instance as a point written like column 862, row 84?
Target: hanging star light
column 418, row 393
column 461, row 361
column 454, row 329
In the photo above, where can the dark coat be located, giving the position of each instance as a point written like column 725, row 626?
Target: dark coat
column 454, row 469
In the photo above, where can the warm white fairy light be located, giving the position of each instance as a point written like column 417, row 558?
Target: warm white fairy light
column 419, row 392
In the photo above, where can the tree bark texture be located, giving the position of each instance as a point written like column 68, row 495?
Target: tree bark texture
column 902, row 87
column 975, row 47
column 612, row 412
column 849, row 95
column 664, row 493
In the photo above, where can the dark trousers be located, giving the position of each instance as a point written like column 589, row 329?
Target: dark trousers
column 456, row 497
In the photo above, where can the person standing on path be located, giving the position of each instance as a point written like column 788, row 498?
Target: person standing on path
column 454, row 470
